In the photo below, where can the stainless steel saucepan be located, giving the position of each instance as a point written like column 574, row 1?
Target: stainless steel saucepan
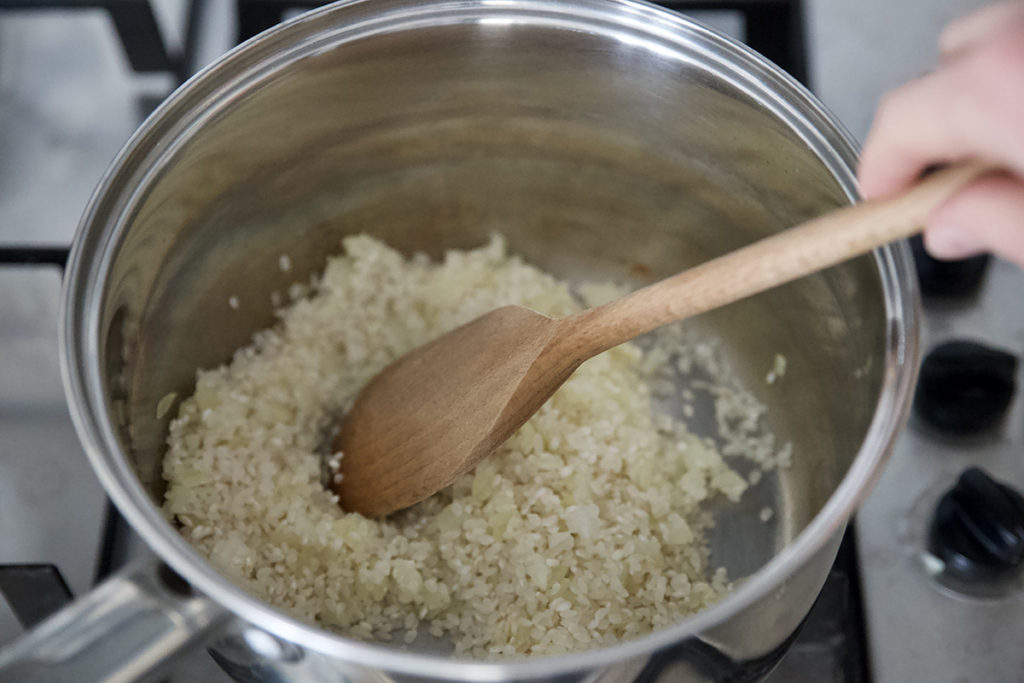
column 606, row 139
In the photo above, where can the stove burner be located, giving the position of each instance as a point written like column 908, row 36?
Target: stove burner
column 832, row 643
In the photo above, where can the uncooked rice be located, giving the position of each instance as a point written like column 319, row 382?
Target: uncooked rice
column 587, row 527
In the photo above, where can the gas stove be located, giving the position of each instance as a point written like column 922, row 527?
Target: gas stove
column 897, row 605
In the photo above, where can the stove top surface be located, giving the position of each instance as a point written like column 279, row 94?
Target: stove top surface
column 56, row 142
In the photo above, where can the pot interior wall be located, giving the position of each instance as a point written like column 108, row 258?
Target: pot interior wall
column 595, row 160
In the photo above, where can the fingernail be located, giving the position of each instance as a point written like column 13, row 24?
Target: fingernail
column 948, row 241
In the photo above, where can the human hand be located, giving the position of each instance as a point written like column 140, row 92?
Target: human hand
column 972, row 106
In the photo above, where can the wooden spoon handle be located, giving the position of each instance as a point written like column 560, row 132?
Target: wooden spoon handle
column 775, row 260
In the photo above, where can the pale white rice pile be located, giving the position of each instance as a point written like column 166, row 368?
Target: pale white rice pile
column 586, row 528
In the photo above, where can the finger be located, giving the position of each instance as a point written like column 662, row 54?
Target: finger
column 970, row 31
column 904, row 132
column 987, row 216
column 973, row 107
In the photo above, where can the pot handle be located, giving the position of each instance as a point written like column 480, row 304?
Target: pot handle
column 122, row 630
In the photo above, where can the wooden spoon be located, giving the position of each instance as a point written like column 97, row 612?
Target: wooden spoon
column 436, row 411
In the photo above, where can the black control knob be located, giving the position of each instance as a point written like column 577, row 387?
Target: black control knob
column 978, row 530
column 947, row 278
column 965, row 386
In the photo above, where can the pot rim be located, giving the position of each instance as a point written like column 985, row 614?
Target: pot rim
column 630, row 21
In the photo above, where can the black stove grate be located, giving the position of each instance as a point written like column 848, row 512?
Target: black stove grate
column 138, row 30
column 19, row 255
